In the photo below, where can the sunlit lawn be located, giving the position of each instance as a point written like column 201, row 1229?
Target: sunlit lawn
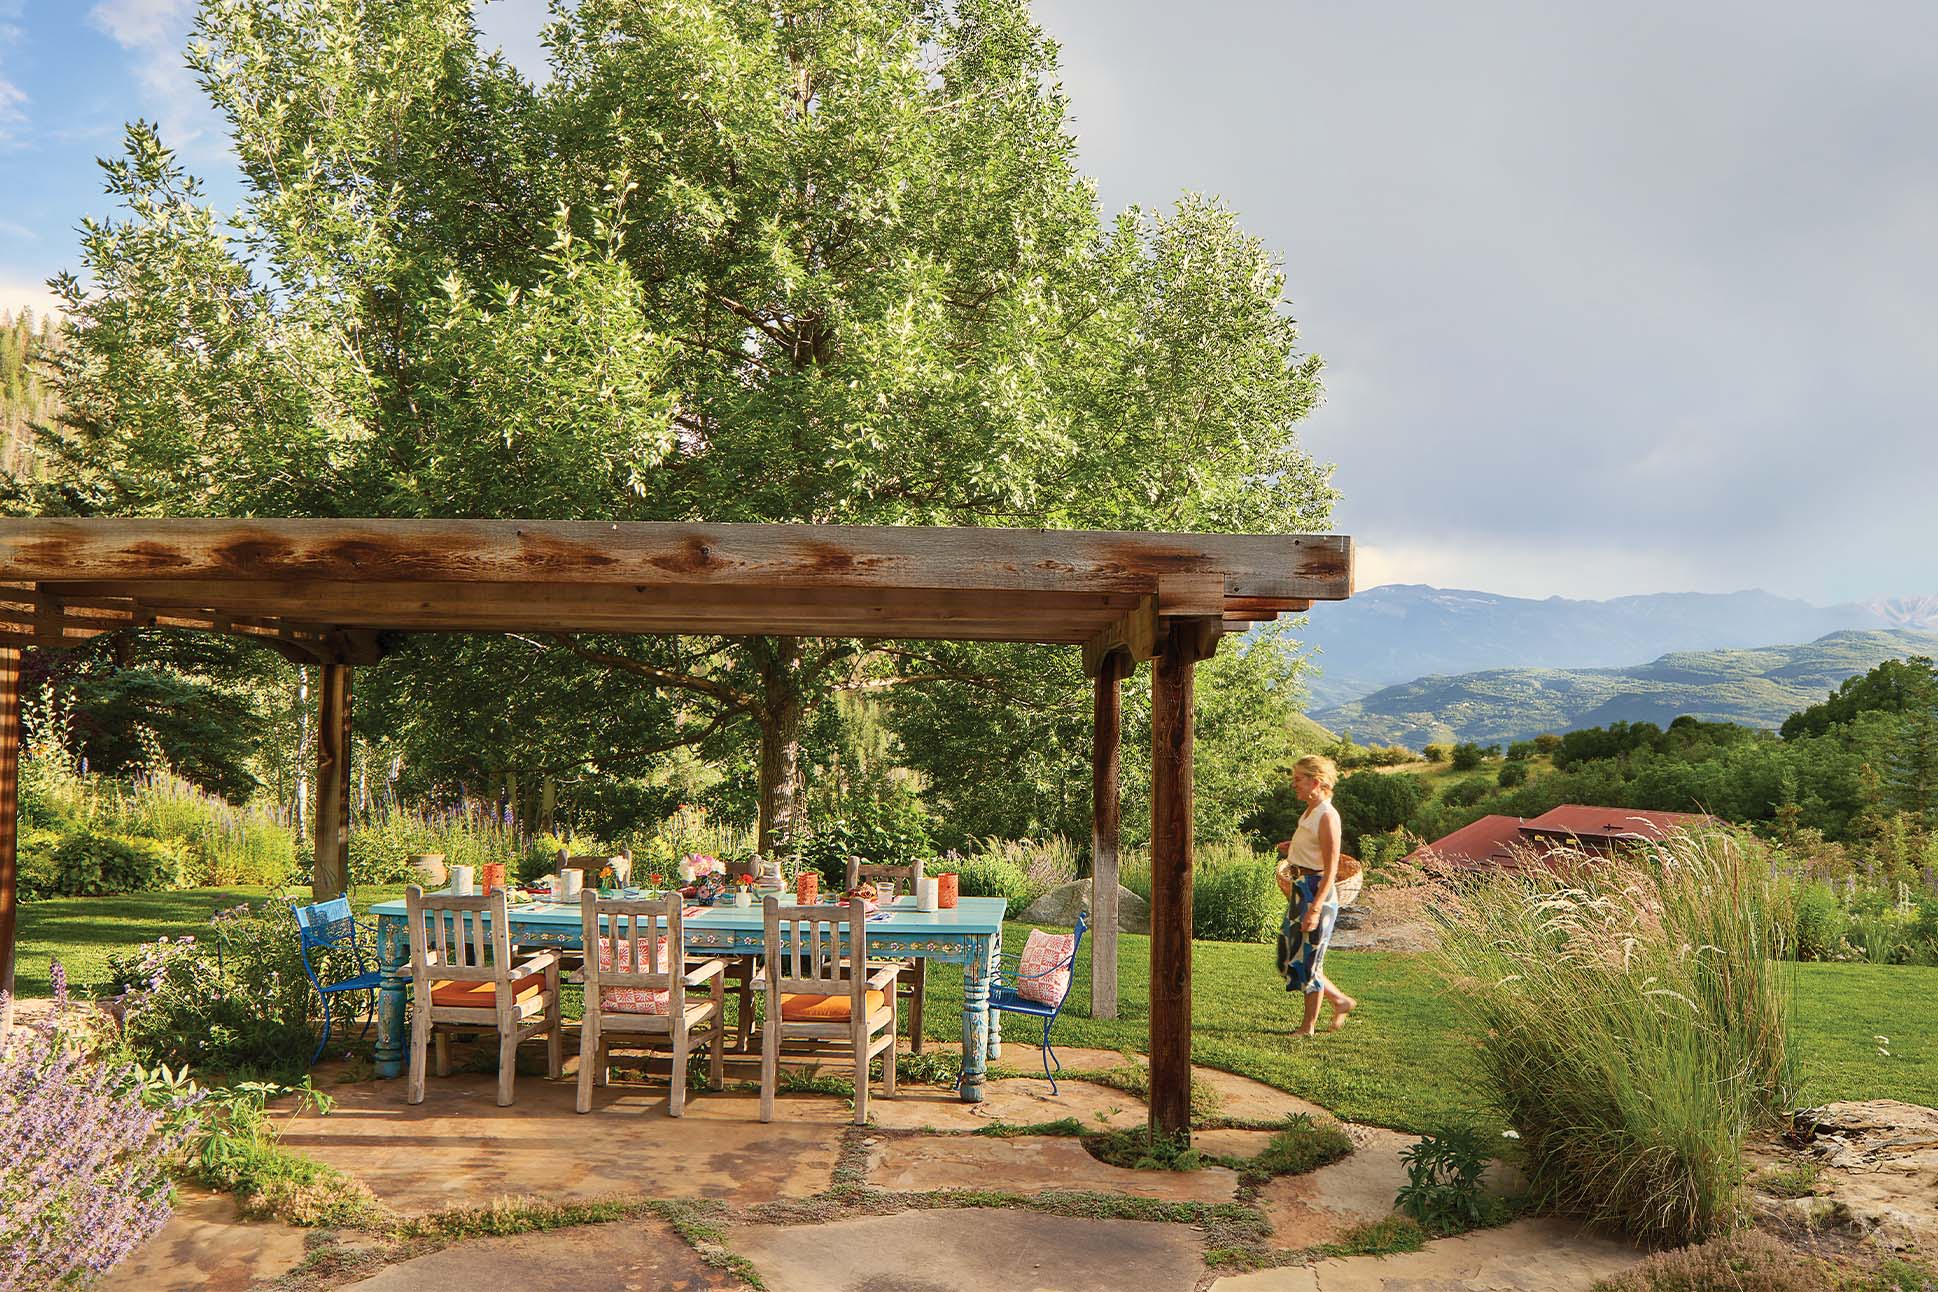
column 1402, row 1062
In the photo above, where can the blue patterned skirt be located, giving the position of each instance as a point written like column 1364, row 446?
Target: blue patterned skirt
column 1301, row 954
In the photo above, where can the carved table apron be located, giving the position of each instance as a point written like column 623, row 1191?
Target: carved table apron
column 970, row 935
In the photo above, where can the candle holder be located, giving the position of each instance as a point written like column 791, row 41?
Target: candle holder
column 946, row 887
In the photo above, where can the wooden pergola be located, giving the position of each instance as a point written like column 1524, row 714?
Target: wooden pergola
column 320, row 592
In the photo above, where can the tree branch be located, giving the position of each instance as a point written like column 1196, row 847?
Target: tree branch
column 733, row 701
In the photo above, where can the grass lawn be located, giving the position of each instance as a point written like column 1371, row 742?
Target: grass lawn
column 1402, row 1062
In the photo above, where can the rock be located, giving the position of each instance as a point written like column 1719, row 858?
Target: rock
column 1061, row 904
column 1350, row 917
column 1878, row 1161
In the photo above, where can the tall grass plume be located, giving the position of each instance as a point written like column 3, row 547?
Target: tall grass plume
column 1633, row 1023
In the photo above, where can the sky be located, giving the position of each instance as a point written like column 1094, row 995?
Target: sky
column 1613, row 298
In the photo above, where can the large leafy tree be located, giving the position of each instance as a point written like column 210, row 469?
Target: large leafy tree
column 760, row 260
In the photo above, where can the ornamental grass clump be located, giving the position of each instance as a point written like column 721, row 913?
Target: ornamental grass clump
column 83, row 1157
column 1633, row 1023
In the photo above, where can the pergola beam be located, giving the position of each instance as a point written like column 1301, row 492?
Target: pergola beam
column 1311, row 566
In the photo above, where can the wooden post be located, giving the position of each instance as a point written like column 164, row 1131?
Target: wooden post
column 1181, row 644
column 9, row 815
column 1107, row 714
column 332, row 871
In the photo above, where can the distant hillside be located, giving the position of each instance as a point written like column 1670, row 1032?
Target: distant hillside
column 1758, row 687
column 1399, row 632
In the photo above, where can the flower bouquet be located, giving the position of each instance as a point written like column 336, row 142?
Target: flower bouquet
column 743, row 890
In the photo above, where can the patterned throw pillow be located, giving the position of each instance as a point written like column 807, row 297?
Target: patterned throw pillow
column 1043, row 952
column 633, row 1000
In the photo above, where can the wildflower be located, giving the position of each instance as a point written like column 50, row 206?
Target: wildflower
column 1510, row 1133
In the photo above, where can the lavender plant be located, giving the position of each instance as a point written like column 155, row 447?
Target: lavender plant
column 83, row 1156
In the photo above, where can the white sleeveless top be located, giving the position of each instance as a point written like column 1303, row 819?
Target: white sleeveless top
column 1304, row 853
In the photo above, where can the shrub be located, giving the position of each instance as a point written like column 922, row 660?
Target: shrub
column 1468, row 792
column 1375, row 802
column 83, row 1162
column 235, row 1000
column 1236, row 896
column 1750, row 1261
column 1236, row 899
column 1443, row 1190
column 988, row 875
column 1437, row 752
column 1466, row 756
column 87, row 864
column 884, row 831
column 1512, row 773
column 1632, row 1023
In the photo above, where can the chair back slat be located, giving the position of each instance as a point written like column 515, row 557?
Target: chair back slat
column 467, row 939
column 814, row 950
column 908, row 877
column 630, row 931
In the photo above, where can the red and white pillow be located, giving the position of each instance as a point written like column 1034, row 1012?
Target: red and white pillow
column 1042, row 953
column 634, row 1000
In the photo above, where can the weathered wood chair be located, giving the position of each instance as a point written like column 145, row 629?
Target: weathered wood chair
column 464, row 978
column 907, row 879
column 636, row 983
column 820, row 988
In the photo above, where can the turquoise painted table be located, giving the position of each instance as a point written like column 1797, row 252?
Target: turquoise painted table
column 970, row 935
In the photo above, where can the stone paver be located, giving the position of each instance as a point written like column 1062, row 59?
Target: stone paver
column 1030, row 1164
column 974, row 1251
column 1527, row 1256
column 1319, row 1206
column 1231, row 1143
column 458, row 1148
column 1014, row 1101
column 628, row 1256
column 205, row 1247
column 1245, row 1099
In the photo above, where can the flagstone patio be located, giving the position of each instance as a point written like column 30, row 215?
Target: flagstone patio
column 812, row 1203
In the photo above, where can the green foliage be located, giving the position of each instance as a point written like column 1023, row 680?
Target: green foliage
column 1390, row 1236
column 1139, row 1148
column 991, row 875
column 886, row 831
column 1236, row 896
column 1443, row 1190
column 1466, row 756
column 1633, row 1024
column 88, row 864
column 1746, row 1261
column 1512, row 774
column 1474, row 789
column 1894, row 686
column 1303, row 1144
column 1438, row 752
column 1375, row 802
column 234, row 1000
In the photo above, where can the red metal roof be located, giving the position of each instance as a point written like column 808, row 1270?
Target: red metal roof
column 1486, row 842
column 1606, row 823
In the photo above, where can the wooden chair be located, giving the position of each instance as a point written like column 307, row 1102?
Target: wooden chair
column 464, row 978
column 814, row 993
column 634, row 954
column 907, row 879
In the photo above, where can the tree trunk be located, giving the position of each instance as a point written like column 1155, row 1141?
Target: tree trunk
column 548, row 800
column 780, row 742
column 302, row 769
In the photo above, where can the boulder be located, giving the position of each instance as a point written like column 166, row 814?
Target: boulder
column 1878, row 1163
column 1061, row 904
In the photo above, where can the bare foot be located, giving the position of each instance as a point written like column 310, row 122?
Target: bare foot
column 1341, row 1013
column 1301, row 1031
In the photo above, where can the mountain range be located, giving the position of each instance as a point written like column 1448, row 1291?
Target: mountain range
column 1399, row 632
column 1758, row 687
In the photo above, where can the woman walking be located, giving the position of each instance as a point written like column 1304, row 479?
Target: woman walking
column 1307, row 878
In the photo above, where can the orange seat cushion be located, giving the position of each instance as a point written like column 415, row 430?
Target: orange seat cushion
column 803, row 1008
column 484, row 995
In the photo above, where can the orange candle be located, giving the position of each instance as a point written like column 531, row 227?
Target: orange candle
column 494, row 875
column 807, row 887
column 945, row 890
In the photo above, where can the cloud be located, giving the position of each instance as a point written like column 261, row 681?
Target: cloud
column 17, row 294
column 1605, row 293
column 13, row 99
column 155, row 32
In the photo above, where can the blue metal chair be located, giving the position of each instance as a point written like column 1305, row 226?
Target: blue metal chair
column 326, row 926
column 1003, row 995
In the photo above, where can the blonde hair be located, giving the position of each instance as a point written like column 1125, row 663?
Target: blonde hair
column 1319, row 768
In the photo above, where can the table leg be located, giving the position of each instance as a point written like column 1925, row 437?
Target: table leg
column 975, row 1023
column 995, row 1015
column 393, row 954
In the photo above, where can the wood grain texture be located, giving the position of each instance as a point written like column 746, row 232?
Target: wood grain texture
column 330, row 874
column 1171, row 859
column 1314, row 566
column 1107, row 707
